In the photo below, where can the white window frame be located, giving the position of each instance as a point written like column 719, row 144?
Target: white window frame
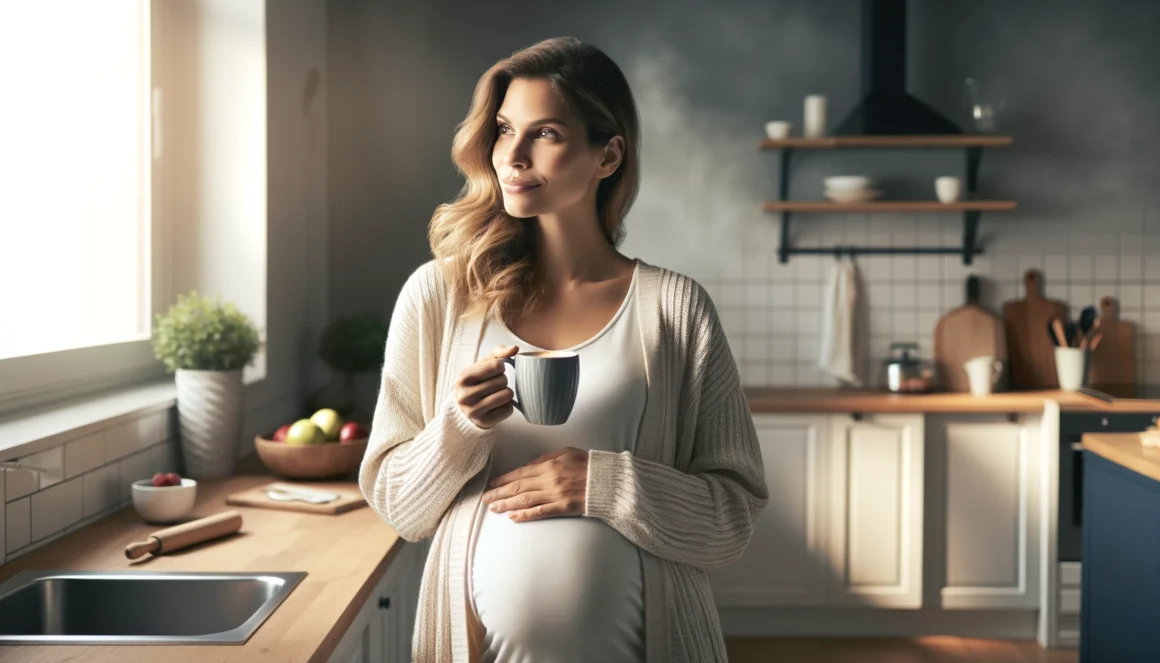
column 33, row 381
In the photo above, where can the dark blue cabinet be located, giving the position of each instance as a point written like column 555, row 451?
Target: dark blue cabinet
column 1120, row 613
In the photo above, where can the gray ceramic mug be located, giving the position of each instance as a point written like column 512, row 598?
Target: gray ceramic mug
column 546, row 384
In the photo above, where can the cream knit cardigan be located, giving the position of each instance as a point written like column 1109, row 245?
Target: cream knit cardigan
column 687, row 497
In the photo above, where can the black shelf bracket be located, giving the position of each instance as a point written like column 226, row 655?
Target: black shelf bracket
column 969, row 249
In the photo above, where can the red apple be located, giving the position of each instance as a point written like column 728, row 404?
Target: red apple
column 174, row 478
column 160, row 480
column 352, row 431
column 280, row 434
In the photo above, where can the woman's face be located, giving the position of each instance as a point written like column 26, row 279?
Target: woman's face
column 542, row 155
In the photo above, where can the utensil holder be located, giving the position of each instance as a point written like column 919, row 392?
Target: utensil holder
column 1071, row 367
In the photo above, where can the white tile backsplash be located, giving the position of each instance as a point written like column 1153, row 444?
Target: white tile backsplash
column 902, row 297
column 84, row 454
column 19, row 526
column 56, row 508
column 133, row 468
column 101, row 489
column 19, row 483
column 51, row 460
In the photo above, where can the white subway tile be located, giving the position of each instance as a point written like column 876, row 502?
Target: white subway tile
column 120, row 440
column 876, row 269
column 783, row 321
column 102, row 489
column 905, row 322
column 133, row 468
column 756, row 349
column 1080, row 268
column 732, row 294
column 809, row 295
column 1131, row 267
column 1152, row 268
column 3, row 520
column 51, row 460
column 753, row 375
column 783, row 296
column 905, row 296
column 1055, row 268
column 1132, row 244
column 19, row 526
column 930, row 295
column 808, row 348
column 1080, row 295
column 904, row 267
column 757, row 295
column 881, row 320
column 927, row 320
column 1131, row 296
column 1107, row 268
column 84, row 454
column 19, row 483
column 171, row 455
column 783, row 348
column 55, row 508
column 782, row 374
column 1005, row 267
column 809, row 322
column 757, row 321
column 150, row 429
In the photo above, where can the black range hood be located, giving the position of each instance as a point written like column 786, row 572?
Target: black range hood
column 886, row 108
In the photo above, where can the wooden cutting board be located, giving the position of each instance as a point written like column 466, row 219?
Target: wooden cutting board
column 349, row 498
column 1113, row 362
column 1031, row 354
column 963, row 333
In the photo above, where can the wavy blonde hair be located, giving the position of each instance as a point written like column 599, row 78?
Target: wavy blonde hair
column 487, row 256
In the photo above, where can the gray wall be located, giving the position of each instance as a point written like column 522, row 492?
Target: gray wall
column 1073, row 81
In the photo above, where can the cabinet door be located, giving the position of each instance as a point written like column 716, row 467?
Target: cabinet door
column 784, row 564
column 989, row 502
column 876, row 511
column 362, row 642
column 391, row 601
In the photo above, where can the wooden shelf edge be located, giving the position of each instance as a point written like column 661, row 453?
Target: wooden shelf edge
column 836, row 142
column 890, row 206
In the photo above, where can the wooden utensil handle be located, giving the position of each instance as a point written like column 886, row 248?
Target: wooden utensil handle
column 1031, row 280
column 141, row 548
column 203, row 529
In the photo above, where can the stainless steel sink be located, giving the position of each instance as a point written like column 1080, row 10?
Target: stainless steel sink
column 138, row 607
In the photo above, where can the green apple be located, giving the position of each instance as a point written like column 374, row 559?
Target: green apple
column 329, row 421
column 303, row 432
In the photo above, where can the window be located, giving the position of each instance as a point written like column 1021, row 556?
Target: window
column 77, row 275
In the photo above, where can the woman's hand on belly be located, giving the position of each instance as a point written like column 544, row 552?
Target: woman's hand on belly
column 553, row 485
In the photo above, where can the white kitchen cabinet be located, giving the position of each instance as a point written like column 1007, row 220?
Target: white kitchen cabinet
column 987, row 492
column 875, row 510
column 784, row 564
column 381, row 632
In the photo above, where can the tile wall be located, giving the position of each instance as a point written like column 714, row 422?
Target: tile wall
column 88, row 479
column 772, row 312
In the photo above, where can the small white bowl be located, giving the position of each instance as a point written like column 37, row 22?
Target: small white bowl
column 778, row 130
column 844, row 183
column 165, row 504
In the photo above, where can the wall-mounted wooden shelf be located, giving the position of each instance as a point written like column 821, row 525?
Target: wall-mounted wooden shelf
column 889, row 206
column 841, row 142
column 970, row 206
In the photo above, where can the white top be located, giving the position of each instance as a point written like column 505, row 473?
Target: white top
column 566, row 589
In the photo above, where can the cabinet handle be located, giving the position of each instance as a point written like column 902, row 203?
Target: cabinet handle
column 1077, row 446
column 384, row 603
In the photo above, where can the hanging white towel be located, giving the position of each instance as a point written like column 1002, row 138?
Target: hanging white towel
column 836, row 355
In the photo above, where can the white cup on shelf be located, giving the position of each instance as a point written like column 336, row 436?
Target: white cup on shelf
column 983, row 373
column 814, row 116
column 948, row 189
column 778, row 129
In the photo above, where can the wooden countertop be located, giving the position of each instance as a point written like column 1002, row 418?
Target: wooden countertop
column 1125, row 449
column 820, row 400
column 344, row 557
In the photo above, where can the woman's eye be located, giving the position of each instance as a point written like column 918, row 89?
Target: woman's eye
column 548, row 133
column 503, row 129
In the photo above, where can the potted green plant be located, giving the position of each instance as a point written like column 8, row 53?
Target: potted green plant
column 206, row 343
column 350, row 345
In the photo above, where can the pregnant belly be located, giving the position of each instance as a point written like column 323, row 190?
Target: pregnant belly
column 559, row 589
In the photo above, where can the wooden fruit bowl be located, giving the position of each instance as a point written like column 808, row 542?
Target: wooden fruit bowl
column 311, row 461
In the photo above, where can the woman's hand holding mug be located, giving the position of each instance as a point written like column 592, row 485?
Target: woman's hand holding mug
column 482, row 389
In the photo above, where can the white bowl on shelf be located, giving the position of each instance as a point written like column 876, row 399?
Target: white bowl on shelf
column 164, row 504
column 858, row 196
column 843, row 183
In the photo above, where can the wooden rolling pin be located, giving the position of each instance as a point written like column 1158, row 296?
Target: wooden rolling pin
column 186, row 534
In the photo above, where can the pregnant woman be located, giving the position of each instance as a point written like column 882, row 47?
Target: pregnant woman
column 590, row 540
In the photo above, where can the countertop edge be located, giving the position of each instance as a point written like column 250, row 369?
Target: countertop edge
column 1125, row 450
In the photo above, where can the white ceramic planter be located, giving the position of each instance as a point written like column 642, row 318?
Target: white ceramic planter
column 209, row 418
